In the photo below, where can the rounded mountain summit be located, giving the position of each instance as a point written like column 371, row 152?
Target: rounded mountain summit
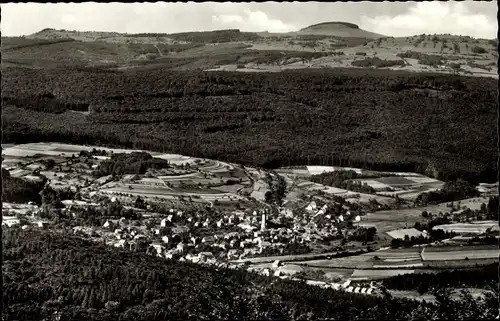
column 333, row 29
column 338, row 29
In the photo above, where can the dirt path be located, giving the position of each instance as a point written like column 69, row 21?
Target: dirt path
column 159, row 52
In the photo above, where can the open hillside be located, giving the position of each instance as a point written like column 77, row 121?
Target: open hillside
column 323, row 45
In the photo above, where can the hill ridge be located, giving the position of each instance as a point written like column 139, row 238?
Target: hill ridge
column 343, row 23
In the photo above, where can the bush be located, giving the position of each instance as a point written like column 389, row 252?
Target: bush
column 377, row 62
column 479, row 50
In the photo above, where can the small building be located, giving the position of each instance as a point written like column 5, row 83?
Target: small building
column 206, row 255
column 195, row 240
column 108, row 224
column 180, row 247
column 233, row 243
column 165, row 239
column 208, row 240
column 346, row 283
column 121, row 244
column 311, row 207
column 232, row 254
column 158, row 248
column 43, row 225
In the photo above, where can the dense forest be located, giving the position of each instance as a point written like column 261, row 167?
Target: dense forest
column 49, row 275
column 383, row 120
column 451, row 191
column 18, row 190
column 343, row 179
column 483, row 278
column 129, row 163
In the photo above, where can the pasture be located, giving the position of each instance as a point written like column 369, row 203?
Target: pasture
column 359, row 275
column 466, row 228
column 452, row 253
column 385, row 221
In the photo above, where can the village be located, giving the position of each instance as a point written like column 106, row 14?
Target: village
column 209, row 212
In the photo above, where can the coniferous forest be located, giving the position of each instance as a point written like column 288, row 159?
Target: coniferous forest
column 56, row 276
column 440, row 125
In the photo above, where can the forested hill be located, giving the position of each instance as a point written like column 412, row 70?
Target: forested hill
column 443, row 126
column 52, row 276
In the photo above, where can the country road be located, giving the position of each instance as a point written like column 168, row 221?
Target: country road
column 159, row 52
column 289, row 258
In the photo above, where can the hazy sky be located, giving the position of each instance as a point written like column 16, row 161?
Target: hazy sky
column 475, row 19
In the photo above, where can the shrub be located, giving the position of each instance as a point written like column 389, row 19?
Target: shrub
column 377, row 62
column 479, row 50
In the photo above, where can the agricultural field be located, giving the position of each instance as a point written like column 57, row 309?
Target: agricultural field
column 388, row 258
column 359, row 275
column 388, row 220
column 469, row 228
column 400, row 234
column 449, row 253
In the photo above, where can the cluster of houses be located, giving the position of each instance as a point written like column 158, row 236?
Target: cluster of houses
column 232, row 236
column 346, row 286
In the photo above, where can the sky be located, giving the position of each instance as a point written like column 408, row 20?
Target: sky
column 397, row 19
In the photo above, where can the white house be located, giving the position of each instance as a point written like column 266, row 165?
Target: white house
column 346, row 283
column 42, row 225
column 108, row 224
column 121, row 243
column 311, row 207
column 231, row 254
column 159, row 249
column 180, row 247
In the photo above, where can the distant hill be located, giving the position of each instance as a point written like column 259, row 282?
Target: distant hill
column 338, row 29
column 323, row 45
